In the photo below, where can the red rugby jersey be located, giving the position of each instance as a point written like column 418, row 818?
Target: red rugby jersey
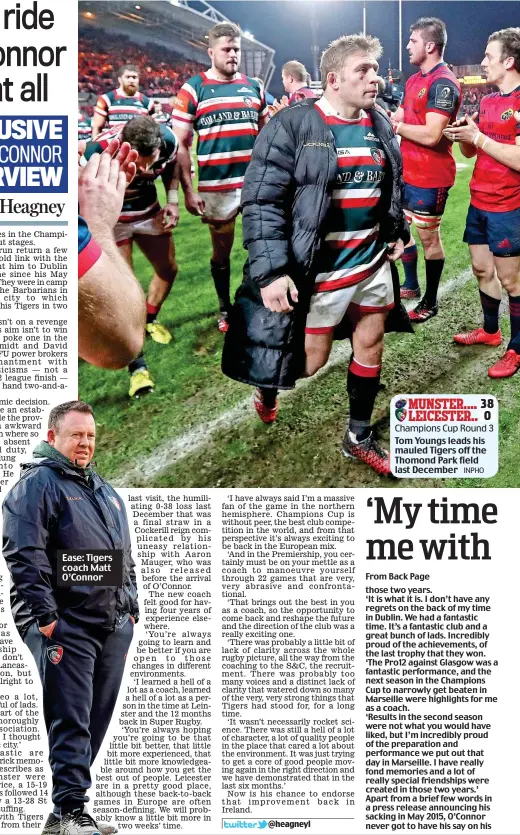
column 495, row 187
column 436, row 91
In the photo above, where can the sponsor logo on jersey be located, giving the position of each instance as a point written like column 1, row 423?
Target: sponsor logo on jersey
column 507, row 114
column 244, row 90
column 377, row 156
column 181, row 104
column 55, row 654
column 421, row 93
column 115, row 501
column 371, row 136
column 343, row 152
column 444, row 97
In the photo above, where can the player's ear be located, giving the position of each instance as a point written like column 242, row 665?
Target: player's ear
column 509, row 62
column 333, row 80
column 210, row 53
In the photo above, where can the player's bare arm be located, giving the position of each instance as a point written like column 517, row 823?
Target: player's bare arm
column 428, row 135
column 170, row 178
column 193, row 202
column 469, row 134
column 98, row 123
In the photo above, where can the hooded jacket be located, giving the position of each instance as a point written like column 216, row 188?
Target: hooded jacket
column 58, row 506
column 285, row 199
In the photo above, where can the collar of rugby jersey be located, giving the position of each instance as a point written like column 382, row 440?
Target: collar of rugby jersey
column 328, row 110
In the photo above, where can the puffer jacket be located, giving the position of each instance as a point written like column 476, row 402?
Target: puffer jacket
column 285, row 199
column 55, row 506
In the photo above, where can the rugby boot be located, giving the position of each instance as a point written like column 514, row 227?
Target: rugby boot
column 140, row 383
column 409, row 293
column 422, row 312
column 369, row 452
column 266, row 413
column 222, row 322
column 158, row 333
column 478, row 337
column 506, row 365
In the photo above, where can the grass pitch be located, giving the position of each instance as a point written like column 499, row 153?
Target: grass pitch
column 195, row 430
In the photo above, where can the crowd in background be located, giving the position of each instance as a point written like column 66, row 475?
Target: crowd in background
column 162, row 72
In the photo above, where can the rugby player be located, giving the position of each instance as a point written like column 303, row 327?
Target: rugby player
column 328, row 248
column 144, row 221
column 226, row 109
column 493, row 221
column 295, row 82
column 431, row 100
column 118, row 106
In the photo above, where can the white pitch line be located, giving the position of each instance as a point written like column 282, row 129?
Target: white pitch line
column 193, row 440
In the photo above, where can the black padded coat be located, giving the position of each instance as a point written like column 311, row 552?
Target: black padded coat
column 285, row 199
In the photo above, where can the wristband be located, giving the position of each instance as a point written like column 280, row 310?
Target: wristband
column 173, row 196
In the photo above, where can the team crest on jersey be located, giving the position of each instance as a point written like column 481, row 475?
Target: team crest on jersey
column 248, row 101
column 115, row 501
column 507, row 114
column 377, row 156
column 55, row 654
column 421, row 93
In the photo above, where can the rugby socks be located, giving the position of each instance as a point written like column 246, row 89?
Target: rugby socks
column 139, row 364
column 433, row 276
column 151, row 313
column 490, row 310
column 409, row 259
column 268, row 397
column 221, row 274
column 362, row 388
column 514, row 316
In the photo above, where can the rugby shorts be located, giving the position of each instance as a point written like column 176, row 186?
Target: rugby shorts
column 372, row 295
column 220, row 207
column 425, row 206
column 499, row 230
column 124, row 232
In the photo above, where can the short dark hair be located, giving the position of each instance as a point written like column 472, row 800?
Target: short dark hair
column 143, row 133
column 57, row 414
column 223, row 30
column 129, row 67
column 509, row 40
column 432, row 29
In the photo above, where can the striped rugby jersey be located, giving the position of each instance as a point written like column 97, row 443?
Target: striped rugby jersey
column 141, row 195
column 225, row 114
column 351, row 251
column 117, row 107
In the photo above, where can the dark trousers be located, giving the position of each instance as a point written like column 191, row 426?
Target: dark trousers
column 81, row 671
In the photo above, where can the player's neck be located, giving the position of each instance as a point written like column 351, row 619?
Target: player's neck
column 220, row 76
column 430, row 62
column 511, row 82
column 344, row 111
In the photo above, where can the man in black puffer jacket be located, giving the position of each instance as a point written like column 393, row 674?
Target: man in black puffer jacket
column 78, row 634
column 323, row 218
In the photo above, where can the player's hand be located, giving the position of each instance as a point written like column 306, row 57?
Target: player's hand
column 274, row 296
column 49, row 629
column 170, row 216
column 276, row 106
column 395, row 249
column 132, row 619
column 101, row 190
column 517, row 115
column 194, row 203
column 463, row 130
column 398, row 115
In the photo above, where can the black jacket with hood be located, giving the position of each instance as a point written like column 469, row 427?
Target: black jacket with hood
column 58, row 506
column 285, row 199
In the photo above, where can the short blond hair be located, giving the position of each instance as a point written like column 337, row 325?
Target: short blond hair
column 296, row 69
column 334, row 57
